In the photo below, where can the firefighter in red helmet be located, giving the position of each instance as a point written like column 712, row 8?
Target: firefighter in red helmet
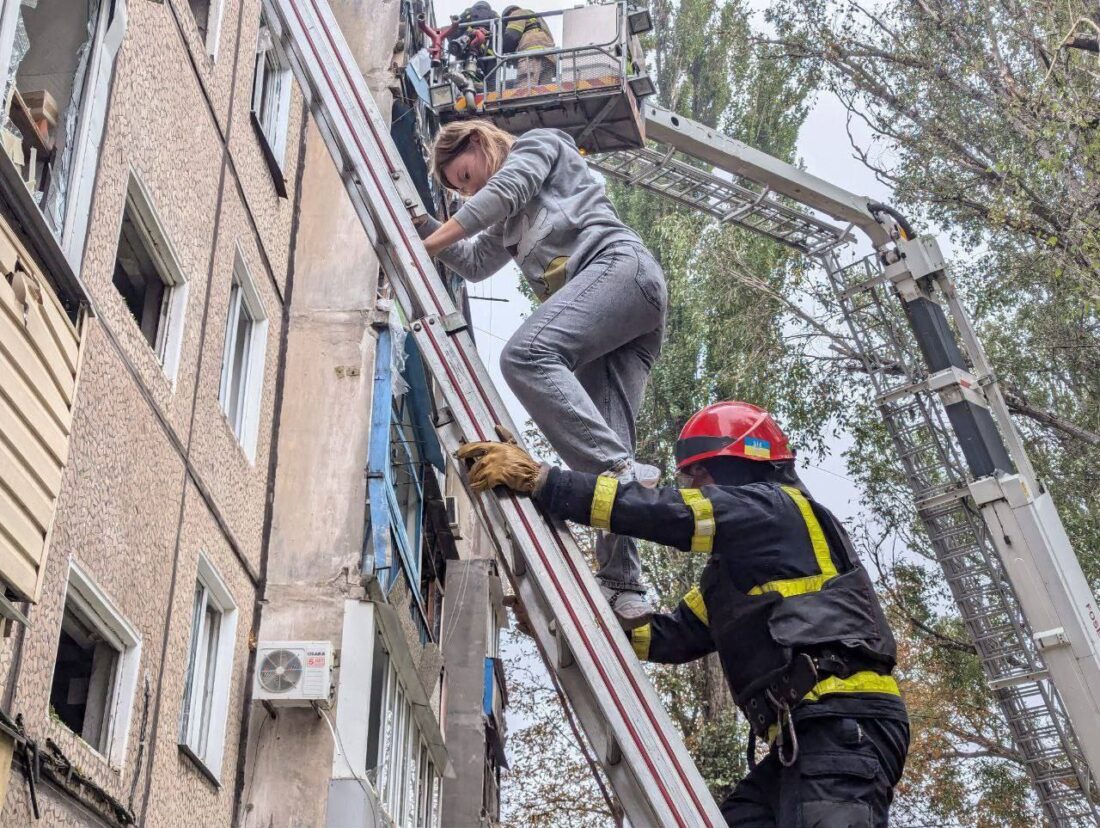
column 783, row 600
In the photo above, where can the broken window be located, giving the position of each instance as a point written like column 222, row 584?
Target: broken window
column 61, row 56
column 200, row 9
column 243, row 359
column 271, row 94
column 209, row 669
column 84, row 677
column 148, row 278
column 94, row 670
column 207, row 14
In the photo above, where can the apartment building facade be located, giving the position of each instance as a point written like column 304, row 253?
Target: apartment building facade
column 213, row 434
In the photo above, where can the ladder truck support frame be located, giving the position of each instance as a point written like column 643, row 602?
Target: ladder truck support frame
column 1018, row 512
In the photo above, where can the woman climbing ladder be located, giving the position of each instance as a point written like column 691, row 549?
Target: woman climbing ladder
column 579, row 363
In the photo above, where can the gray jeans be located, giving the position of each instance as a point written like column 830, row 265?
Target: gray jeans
column 579, row 365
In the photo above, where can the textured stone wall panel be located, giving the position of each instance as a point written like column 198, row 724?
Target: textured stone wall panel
column 158, row 126
column 117, row 514
column 214, row 72
column 272, row 214
column 237, row 484
column 182, row 794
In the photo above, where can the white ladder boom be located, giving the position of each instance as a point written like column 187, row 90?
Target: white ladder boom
column 992, row 526
column 635, row 743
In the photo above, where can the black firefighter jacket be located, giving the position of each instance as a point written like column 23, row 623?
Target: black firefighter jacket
column 781, row 578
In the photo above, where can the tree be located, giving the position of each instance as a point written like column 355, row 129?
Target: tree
column 985, row 126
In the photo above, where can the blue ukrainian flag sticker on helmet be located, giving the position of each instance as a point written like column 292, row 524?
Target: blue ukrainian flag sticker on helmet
column 755, row 447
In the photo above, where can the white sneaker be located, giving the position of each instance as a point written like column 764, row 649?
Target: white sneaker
column 631, row 470
column 649, row 476
column 632, row 609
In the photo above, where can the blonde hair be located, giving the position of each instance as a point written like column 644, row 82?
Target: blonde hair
column 454, row 139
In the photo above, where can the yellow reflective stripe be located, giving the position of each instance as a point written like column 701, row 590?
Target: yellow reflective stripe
column 517, row 25
column 694, row 600
column 817, row 534
column 792, row 586
column 702, row 539
column 603, row 498
column 827, row 569
column 639, row 640
column 865, row 681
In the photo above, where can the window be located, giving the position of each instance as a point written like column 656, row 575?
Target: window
column 407, row 781
column 95, row 669
column 243, row 359
column 403, row 450
column 209, row 670
column 271, row 97
column 149, row 279
column 61, row 54
column 207, row 14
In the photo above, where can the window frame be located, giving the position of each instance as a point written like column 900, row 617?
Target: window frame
column 394, row 550
column 246, row 423
column 90, row 121
column 162, row 252
column 273, row 125
column 408, row 782
column 96, row 606
column 215, row 593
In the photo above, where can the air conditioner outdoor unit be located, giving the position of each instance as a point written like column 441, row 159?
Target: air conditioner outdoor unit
column 293, row 673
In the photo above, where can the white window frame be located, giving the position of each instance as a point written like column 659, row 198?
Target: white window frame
column 273, row 124
column 407, row 791
column 216, row 594
column 109, row 622
column 174, row 306
column 246, row 424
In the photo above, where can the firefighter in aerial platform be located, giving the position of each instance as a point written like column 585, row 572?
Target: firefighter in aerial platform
column 783, row 599
column 525, row 31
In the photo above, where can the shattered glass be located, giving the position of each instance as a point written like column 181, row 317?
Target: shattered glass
column 397, row 355
column 54, row 208
column 20, row 46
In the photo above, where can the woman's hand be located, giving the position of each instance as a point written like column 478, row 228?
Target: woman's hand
column 447, row 234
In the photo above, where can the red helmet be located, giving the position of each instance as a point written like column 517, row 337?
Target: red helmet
column 731, row 429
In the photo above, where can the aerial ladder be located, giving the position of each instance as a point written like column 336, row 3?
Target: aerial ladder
column 991, row 523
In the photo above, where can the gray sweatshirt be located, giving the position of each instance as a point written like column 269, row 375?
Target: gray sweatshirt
column 543, row 208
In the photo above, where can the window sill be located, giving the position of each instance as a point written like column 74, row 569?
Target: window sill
column 241, row 451
column 80, row 744
column 200, row 766
column 273, row 165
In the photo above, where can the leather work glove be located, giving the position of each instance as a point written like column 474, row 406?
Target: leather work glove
column 500, row 464
column 523, row 620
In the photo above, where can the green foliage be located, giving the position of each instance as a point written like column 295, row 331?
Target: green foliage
column 985, row 127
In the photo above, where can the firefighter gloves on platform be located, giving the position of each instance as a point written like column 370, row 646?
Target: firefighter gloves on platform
column 500, row 464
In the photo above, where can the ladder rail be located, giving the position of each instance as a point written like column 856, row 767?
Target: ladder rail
column 638, row 747
column 731, row 202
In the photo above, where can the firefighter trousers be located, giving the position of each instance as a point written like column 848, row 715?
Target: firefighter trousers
column 844, row 777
